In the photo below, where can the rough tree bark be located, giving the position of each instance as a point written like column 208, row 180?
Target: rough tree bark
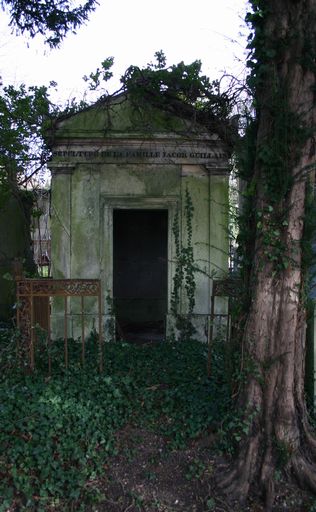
column 274, row 335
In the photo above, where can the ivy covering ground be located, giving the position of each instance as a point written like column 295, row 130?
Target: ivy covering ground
column 58, row 433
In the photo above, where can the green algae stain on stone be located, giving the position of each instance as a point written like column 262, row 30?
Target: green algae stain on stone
column 116, row 156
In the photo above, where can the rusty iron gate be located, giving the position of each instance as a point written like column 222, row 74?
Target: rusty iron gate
column 33, row 300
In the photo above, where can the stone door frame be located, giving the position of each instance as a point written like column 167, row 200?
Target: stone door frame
column 111, row 203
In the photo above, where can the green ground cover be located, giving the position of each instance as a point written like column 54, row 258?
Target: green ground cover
column 57, row 433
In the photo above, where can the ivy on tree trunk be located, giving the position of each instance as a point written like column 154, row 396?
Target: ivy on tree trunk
column 283, row 80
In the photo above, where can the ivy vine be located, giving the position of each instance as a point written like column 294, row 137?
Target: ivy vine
column 184, row 278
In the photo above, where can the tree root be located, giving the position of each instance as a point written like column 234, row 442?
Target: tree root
column 304, row 472
column 249, row 471
column 237, row 481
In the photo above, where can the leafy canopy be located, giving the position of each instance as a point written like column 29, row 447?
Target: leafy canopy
column 53, row 19
column 181, row 89
column 24, row 112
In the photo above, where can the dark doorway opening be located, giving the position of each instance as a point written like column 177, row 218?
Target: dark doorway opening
column 140, row 266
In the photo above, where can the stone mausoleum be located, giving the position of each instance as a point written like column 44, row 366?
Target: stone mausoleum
column 121, row 174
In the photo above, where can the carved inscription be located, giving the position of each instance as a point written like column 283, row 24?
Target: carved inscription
column 197, row 155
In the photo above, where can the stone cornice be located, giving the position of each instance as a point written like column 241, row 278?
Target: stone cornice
column 200, row 151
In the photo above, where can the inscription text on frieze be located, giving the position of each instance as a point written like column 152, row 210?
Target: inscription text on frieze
column 126, row 154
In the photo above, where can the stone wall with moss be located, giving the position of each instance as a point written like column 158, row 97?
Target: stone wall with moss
column 106, row 159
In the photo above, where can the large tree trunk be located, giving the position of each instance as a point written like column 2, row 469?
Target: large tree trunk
column 274, row 335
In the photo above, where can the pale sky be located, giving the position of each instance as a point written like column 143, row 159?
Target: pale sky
column 131, row 32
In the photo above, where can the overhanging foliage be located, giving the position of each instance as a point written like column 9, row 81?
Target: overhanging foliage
column 52, row 19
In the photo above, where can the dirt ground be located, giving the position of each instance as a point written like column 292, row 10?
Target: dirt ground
column 146, row 476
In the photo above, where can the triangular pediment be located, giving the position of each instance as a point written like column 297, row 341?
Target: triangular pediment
column 118, row 116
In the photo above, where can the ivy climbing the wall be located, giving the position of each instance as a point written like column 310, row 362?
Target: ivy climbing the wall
column 184, row 281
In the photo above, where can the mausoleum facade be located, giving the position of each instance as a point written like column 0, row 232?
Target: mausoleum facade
column 127, row 184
